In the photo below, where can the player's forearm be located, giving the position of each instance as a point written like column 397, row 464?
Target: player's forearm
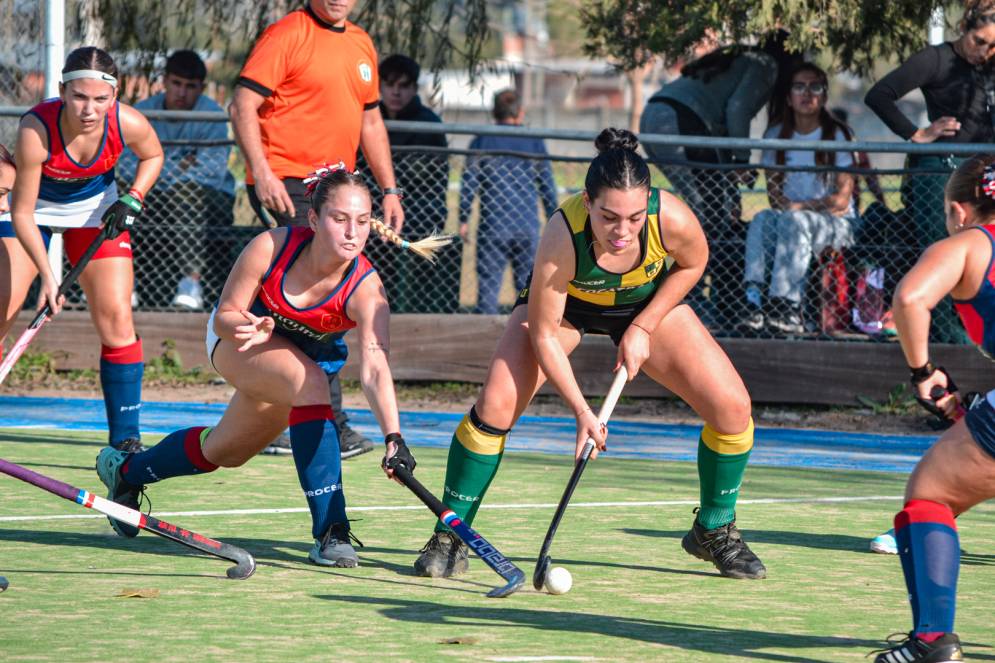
column 672, row 291
column 912, row 320
column 146, row 173
column 378, row 387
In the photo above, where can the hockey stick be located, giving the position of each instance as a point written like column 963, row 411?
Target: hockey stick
column 542, row 563
column 501, row 565
column 244, row 567
column 43, row 315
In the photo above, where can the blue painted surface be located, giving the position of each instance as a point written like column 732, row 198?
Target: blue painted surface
column 783, row 447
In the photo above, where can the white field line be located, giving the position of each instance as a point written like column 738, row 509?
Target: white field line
column 573, row 505
column 517, row 659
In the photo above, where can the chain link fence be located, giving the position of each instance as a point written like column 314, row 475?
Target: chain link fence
column 803, row 274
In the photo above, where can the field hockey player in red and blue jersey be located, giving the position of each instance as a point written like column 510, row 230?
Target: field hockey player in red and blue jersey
column 66, row 151
column 275, row 336
column 958, row 471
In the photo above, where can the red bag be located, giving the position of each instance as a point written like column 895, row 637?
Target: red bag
column 834, row 292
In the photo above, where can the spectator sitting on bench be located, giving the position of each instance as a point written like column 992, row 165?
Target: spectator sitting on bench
column 811, row 210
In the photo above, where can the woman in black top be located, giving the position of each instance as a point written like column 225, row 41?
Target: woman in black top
column 959, row 90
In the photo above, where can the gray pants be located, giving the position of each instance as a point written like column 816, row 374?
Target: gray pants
column 791, row 240
column 660, row 118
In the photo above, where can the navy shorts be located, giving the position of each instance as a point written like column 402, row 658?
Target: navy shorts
column 980, row 421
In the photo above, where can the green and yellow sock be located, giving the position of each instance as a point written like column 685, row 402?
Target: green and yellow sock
column 721, row 464
column 474, row 456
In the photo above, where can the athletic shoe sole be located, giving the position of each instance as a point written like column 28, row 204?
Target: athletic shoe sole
column 357, row 450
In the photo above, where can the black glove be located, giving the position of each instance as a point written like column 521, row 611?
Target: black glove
column 121, row 215
column 936, row 393
column 401, row 457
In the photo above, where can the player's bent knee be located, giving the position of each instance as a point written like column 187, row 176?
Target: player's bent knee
column 313, row 389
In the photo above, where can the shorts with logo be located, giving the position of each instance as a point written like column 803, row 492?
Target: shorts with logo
column 587, row 318
column 980, row 421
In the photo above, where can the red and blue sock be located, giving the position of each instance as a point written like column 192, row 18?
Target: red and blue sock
column 315, row 442
column 121, row 380
column 930, row 550
column 178, row 454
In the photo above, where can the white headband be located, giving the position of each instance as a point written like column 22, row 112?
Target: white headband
column 89, row 73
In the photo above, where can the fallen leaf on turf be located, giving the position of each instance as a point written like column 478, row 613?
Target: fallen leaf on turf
column 138, row 593
column 459, row 641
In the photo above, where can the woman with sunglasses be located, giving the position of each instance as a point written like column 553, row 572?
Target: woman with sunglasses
column 811, row 210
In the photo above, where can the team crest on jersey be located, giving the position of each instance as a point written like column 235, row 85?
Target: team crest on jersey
column 365, row 72
column 331, row 321
column 653, row 268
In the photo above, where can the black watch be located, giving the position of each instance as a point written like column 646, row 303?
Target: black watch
column 394, row 190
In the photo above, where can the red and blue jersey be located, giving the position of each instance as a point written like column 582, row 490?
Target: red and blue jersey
column 978, row 313
column 65, row 180
column 317, row 330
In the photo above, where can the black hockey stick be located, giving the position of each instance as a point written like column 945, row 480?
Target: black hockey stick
column 542, row 563
column 244, row 567
column 501, row 565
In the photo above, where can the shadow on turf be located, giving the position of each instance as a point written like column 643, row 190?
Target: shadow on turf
column 691, row 637
column 842, row 542
column 7, row 436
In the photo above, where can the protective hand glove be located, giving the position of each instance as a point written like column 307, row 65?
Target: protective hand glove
column 402, row 456
column 121, row 215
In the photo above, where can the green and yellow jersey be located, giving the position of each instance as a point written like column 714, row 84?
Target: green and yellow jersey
column 593, row 285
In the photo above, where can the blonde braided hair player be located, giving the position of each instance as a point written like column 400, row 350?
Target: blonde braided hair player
column 275, row 336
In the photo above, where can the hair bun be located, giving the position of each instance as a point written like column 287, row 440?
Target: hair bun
column 616, row 139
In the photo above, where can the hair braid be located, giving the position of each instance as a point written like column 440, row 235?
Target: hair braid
column 425, row 248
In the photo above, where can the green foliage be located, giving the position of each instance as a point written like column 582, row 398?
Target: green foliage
column 435, row 33
column 32, row 366
column 140, row 33
column 856, row 33
column 168, row 367
column 899, row 400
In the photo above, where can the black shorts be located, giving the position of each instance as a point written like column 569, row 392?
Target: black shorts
column 980, row 421
column 590, row 318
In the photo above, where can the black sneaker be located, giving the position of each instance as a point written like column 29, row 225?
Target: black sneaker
column 132, row 445
column 352, row 443
column 913, row 650
column 754, row 323
column 787, row 322
column 724, row 547
column 280, row 446
column 443, row 556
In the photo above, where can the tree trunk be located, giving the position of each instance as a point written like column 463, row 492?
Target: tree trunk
column 636, row 77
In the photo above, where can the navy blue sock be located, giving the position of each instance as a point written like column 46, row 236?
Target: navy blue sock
column 315, row 443
column 930, row 550
column 121, row 381
column 178, row 454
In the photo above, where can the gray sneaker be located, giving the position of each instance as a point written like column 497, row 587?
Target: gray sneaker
column 109, row 462
column 334, row 549
column 444, row 555
column 353, row 443
column 280, row 446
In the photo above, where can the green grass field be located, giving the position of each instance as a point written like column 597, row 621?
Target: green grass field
column 636, row 595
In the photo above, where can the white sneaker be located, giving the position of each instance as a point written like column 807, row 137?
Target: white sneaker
column 884, row 544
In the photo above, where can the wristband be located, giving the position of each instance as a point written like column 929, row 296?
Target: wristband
column 922, row 373
column 393, row 437
column 135, row 193
column 648, row 332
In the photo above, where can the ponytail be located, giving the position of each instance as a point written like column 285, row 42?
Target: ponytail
column 425, row 248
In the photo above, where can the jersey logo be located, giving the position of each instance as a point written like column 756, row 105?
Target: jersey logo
column 365, row 72
column 653, row 269
column 331, row 321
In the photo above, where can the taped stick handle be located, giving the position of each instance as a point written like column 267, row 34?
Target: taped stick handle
column 605, row 413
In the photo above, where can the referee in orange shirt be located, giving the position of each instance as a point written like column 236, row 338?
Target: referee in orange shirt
column 308, row 95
